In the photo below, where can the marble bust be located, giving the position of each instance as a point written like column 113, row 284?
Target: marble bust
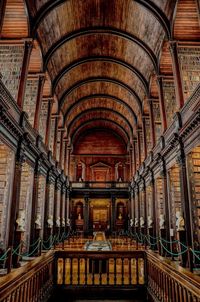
column 162, row 221
column 38, row 222
column 141, row 222
column 149, row 222
column 21, row 221
column 50, row 221
column 180, row 222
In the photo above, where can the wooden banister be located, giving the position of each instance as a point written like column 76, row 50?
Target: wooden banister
column 31, row 282
column 139, row 270
column 169, row 282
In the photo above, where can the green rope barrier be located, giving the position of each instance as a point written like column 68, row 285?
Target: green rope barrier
column 17, row 248
column 171, row 253
column 194, row 253
column 46, row 241
column 26, row 254
column 3, row 257
column 31, row 245
column 149, row 242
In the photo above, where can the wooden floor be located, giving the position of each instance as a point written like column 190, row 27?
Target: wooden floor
column 118, row 244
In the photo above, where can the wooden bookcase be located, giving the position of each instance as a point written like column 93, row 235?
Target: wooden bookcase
column 174, row 193
column 193, row 163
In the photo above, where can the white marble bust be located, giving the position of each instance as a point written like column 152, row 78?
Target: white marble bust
column 50, row 221
column 58, row 222
column 162, row 221
column 38, row 222
column 180, row 222
column 21, row 221
column 150, row 222
column 131, row 222
column 63, row 222
column 136, row 222
column 141, row 222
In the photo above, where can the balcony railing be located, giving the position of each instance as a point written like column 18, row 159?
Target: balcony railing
column 97, row 268
column 99, row 184
column 140, row 270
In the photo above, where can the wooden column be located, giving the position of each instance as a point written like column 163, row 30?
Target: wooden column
column 162, row 102
column 39, row 101
column 65, row 156
column 181, row 159
column 67, row 203
column 33, row 234
column 48, row 128
column 131, row 161
column 55, row 137
column 144, row 136
column 134, row 155
column 155, row 230
column 86, row 214
column 62, row 208
column 13, row 238
column 166, row 203
column 177, row 74
column 24, row 73
column 47, row 229
column 113, row 213
column 145, row 209
column 61, row 149
column 138, row 145
column 132, row 204
column 67, row 159
column 56, row 201
column 2, row 13
column 153, row 137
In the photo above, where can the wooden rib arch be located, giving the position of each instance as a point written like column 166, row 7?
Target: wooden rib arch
column 99, row 109
column 101, row 79
column 90, row 124
column 101, row 30
column 97, row 104
column 106, row 96
column 101, row 59
column 148, row 4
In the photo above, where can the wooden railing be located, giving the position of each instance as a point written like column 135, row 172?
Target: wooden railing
column 101, row 268
column 139, row 270
column 32, row 282
column 168, row 282
column 99, row 185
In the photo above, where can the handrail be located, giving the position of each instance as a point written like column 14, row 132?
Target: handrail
column 35, row 278
column 163, row 272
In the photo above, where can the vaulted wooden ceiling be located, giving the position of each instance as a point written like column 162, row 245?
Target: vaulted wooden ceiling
column 102, row 55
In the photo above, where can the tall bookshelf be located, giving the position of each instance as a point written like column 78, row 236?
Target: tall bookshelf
column 142, row 210
column 149, row 201
column 193, row 162
column 174, row 193
column 159, row 197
